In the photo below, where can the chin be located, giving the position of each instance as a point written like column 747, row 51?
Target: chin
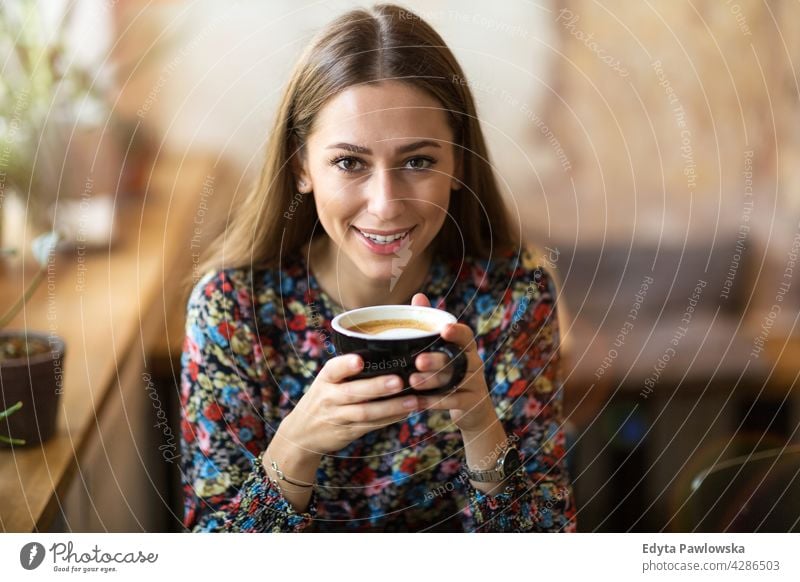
column 379, row 269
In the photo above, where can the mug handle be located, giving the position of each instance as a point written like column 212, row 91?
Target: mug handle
column 458, row 359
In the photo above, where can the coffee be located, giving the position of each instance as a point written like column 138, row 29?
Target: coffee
column 390, row 337
column 391, row 327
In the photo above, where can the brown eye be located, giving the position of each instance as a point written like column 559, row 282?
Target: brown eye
column 419, row 163
column 348, row 164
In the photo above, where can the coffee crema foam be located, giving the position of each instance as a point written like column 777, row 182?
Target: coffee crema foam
column 391, row 327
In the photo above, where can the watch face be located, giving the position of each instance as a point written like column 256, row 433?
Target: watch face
column 511, row 462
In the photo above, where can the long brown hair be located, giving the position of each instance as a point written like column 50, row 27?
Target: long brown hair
column 366, row 46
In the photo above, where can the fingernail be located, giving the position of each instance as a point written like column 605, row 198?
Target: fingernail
column 393, row 383
column 355, row 362
column 410, row 402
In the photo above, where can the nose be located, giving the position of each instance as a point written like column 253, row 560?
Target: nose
column 385, row 195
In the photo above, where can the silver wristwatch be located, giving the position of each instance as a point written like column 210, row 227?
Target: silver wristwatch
column 507, row 464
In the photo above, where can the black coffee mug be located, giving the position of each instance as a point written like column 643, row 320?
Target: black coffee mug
column 393, row 350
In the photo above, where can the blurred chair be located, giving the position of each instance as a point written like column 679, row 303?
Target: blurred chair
column 758, row 492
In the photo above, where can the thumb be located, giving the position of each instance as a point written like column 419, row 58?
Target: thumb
column 420, row 300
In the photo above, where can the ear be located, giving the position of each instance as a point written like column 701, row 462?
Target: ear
column 300, row 173
column 458, row 172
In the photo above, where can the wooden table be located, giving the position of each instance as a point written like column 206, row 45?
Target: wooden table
column 102, row 469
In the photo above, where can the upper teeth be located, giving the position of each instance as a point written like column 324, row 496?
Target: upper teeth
column 383, row 239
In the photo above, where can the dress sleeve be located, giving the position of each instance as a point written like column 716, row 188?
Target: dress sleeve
column 521, row 363
column 226, row 413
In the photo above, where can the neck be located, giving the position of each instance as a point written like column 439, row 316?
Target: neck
column 351, row 289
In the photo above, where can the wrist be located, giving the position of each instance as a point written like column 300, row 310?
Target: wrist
column 292, row 472
column 286, row 444
column 487, row 422
column 506, row 463
column 294, row 430
column 482, row 451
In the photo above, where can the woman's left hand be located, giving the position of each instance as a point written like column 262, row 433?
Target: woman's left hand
column 471, row 408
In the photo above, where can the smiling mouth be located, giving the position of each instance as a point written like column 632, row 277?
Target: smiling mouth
column 384, row 239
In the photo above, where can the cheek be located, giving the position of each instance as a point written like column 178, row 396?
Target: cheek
column 334, row 193
column 433, row 212
column 436, row 196
column 336, row 208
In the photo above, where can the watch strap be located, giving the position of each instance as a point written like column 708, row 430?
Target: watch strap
column 488, row 476
column 491, row 475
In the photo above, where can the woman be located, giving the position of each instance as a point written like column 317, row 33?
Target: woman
column 377, row 140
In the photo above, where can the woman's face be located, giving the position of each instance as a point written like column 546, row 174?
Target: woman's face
column 381, row 162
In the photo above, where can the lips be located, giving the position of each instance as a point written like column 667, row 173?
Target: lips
column 386, row 242
column 384, row 236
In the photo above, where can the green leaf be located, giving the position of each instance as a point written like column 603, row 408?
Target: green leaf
column 11, row 410
column 9, row 441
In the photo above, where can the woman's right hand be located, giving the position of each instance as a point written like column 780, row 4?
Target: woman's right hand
column 335, row 411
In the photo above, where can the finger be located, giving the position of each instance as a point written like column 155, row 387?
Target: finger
column 435, row 371
column 431, row 361
column 365, row 389
column 339, row 368
column 368, row 412
column 451, row 401
column 460, row 334
column 384, row 422
column 420, row 300
column 430, row 380
column 438, row 367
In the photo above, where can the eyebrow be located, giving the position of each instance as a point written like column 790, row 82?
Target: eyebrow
column 360, row 149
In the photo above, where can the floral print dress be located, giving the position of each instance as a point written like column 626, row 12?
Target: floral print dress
column 255, row 340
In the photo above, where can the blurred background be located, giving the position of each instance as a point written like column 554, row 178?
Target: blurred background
column 649, row 149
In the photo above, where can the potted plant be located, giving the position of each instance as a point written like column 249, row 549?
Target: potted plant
column 31, row 366
column 53, row 108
